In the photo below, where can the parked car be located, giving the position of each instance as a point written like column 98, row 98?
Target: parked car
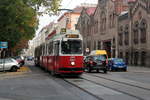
column 97, row 62
column 9, row 64
column 117, row 64
column 29, row 58
column 20, row 60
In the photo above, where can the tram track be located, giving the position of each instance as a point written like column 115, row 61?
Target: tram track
column 125, row 83
column 115, row 85
column 121, row 87
column 128, row 94
column 97, row 97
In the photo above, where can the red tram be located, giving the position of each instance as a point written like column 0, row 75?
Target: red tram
column 62, row 53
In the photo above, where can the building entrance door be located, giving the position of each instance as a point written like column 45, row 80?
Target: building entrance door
column 107, row 47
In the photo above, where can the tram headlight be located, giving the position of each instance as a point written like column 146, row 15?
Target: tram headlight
column 72, row 63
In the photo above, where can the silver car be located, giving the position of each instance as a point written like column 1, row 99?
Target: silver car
column 9, row 64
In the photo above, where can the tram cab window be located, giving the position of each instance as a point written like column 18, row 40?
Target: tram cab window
column 71, row 47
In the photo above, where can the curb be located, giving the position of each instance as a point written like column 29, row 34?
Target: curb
column 20, row 71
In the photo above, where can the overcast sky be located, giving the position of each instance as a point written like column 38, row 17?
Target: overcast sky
column 67, row 4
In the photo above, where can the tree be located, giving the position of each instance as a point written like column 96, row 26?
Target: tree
column 18, row 20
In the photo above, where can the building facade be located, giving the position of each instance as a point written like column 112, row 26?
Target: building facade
column 122, row 27
column 134, row 33
column 102, row 26
column 69, row 19
column 85, row 26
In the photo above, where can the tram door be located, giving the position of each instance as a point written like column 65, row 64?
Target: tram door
column 56, row 55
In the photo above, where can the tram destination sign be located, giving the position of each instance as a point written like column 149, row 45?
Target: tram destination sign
column 3, row 44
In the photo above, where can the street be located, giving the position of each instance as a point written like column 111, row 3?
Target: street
column 37, row 84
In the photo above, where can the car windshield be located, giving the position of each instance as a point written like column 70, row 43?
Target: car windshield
column 71, row 47
column 100, row 57
column 118, row 60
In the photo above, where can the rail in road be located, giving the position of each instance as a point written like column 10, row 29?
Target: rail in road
column 124, row 81
column 105, row 86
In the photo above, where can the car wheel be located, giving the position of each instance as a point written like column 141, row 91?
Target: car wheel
column 105, row 71
column 89, row 70
column 125, row 69
column 112, row 69
column 14, row 69
column 53, row 73
column 97, row 70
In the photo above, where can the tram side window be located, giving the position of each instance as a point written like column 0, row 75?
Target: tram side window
column 50, row 50
column 43, row 49
column 56, row 49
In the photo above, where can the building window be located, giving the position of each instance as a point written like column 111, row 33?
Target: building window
column 136, row 33
column 113, row 20
column 110, row 21
column 127, row 57
column 121, row 55
column 120, row 36
column 120, row 39
column 143, row 35
column 126, row 41
column 94, row 45
column 99, row 44
column 136, row 58
column 143, row 58
column 143, row 30
column 103, row 22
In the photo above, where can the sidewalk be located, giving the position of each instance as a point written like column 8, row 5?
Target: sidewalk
column 138, row 69
column 22, row 70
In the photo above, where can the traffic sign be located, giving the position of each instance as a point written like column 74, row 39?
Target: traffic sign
column 3, row 44
column 87, row 50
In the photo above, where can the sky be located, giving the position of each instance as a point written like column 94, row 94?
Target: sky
column 67, row 4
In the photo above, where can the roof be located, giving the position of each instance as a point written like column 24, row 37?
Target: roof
column 90, row 10
column 78, row 9
column 98, row 52
column 123, row 15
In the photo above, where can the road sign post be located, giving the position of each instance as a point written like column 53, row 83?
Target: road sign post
column 3, row 45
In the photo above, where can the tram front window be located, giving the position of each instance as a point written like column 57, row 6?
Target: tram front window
column 71, row 47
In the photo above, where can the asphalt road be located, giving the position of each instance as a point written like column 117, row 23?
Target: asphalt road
column 38, row 85
column 33, row 83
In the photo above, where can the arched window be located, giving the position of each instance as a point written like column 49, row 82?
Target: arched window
column 143, row 31
column 103, row 21
column 110, row 21
column 126, row 34
column 120, row 37
column 136, row 33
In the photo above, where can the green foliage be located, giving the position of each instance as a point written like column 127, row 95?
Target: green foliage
column 18, row 18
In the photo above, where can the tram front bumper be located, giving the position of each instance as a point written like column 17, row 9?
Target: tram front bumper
column 71, row 69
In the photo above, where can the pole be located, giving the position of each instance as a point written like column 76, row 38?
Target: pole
column 4, row 62
column 0, row 52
